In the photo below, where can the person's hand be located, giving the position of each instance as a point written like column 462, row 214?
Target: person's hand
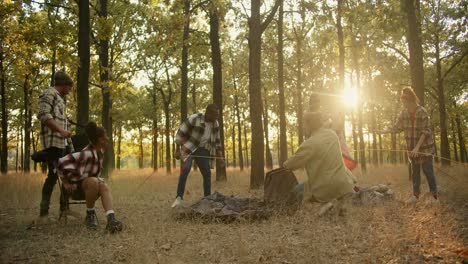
column 414, row 153
column 65, row 133
column 177, row 154
column 68, row 187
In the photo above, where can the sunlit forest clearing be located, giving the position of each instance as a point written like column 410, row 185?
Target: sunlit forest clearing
column 389, row 232
column 141, row 69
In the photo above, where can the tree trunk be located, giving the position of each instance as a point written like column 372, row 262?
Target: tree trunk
column 83, row 69
column 454, row 140
column 436, row 157
column 239, row 131
column 109, row 158
column 17, row 151
column 4, row 151
column 174, row 161
column 412, row 9
column 341, row 47
column 27, row 125
column 34, row 148
column 53, row 65
column 268, row 157
column 255, row 94
column 461, row 141
column 299, row 111
column 355, row 137
column 184, row 69
column 283, row 143
column 119, row 144
column 247, row 160
column 381, row 153
column 444, row 143
column 155, row 132
column 167, row 135
column 362, row 145
column 375, row 152
column 140, row 147
column 234, row 146
column 216, row 63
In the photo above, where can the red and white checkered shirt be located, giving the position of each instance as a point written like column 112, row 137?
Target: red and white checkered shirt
column 413, row 128
column 80, row 165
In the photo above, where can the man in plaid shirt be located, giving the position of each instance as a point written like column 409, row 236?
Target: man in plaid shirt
column 54, row 135
column 198, row 137
column 415, row 123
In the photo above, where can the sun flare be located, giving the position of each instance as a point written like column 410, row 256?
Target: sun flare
column 349, row 97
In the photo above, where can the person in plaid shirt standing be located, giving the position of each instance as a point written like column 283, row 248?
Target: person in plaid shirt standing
column 54, row 135
column 81, row 171
column 414, row 121
column 198, row 136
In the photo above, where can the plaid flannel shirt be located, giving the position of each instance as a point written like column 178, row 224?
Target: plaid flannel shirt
column 422, row 126
column 80, row 165
column 52, row 106
column 190, row 133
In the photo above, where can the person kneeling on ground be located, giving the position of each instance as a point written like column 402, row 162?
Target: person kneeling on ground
column 320, row 155
column 82, row 171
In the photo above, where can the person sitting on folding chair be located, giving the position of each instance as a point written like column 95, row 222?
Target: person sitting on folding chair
column 81, row 171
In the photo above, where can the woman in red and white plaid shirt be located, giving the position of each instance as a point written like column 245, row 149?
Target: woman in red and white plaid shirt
column 82, row 170
column 414, row 121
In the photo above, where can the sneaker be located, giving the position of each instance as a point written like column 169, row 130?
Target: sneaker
column 114, row 225
column 91, row 220
column 412, row 200
column 178, row 201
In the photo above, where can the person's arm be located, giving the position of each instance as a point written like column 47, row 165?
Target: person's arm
column 44, row 115
column 425, row 133
column 183, row 133
column 300, row 158
column 69, row 167
column 50, row 123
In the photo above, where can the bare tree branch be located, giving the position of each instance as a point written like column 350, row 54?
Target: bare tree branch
column 271, row 15
column 397, row 50
column 49, row 4
column 454, row 64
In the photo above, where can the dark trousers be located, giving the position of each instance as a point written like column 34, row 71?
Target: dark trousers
column 203, row 161
column 53, row 155
column 428, row 171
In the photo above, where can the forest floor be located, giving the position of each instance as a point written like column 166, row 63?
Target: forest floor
column 388, row 232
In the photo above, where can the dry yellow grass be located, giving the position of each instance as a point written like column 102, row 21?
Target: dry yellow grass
column 384, row 233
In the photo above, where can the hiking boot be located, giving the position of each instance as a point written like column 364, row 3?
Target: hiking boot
column 178, row 201
column 91, row 220
column 113, row 225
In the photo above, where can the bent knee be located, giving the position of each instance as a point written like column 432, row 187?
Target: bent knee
column 103, row 187
column 90, row 182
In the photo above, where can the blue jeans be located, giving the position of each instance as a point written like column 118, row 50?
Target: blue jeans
column 204, row 166
column 428, row 171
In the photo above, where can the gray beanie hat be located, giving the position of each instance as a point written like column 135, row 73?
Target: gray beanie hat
column 61, row 78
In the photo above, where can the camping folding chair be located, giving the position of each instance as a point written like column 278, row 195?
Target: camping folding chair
column 66, row 198
column 77, row 196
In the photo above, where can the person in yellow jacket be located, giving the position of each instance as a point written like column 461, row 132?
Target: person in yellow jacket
column 320, row 155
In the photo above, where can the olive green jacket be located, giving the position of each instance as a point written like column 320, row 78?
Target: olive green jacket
column 327, row 176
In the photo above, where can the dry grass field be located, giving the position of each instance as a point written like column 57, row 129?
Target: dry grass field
column 389, row 232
